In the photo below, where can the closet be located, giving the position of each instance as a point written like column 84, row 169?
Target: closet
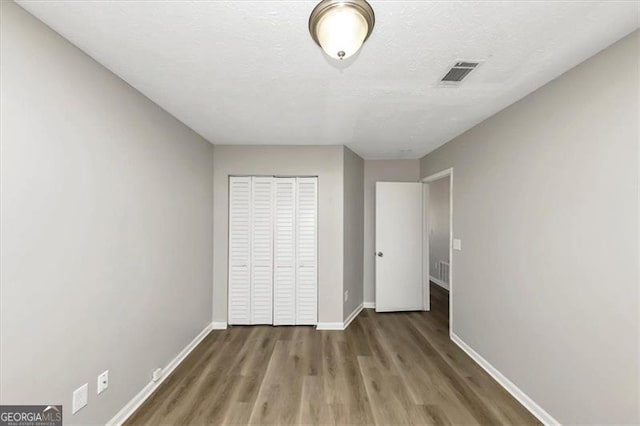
column 273, row 231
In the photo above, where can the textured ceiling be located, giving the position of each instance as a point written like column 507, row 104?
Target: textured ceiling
column 247, row 72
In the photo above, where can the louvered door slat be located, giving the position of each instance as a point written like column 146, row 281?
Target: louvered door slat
column 284, row 252
column 239, row 250
column 306, row 251
column 262, row 250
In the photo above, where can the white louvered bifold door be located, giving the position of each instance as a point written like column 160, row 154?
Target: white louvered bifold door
column 306, row 251
column 262, row 250
column 284, row 247
column 239, row 250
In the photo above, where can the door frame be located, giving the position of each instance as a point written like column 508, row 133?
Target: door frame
column 426, row 181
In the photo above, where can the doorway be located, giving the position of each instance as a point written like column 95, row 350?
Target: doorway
column 438, row 238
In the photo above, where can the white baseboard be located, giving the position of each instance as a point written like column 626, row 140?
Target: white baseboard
column 439, row 282
column 146, row 392
column 330, row 326
column 353, row 315
column 515, row 391
column 369, row 305
column 219, row 325
column 340, row 325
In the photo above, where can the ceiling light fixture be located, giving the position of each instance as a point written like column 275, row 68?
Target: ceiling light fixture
column 340, row 27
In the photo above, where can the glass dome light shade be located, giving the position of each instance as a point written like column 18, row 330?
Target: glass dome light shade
column 340, row 27
column 341, row 32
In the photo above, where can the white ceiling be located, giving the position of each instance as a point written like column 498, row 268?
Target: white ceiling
column 247, row 72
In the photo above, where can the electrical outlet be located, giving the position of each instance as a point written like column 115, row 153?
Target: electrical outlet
column 103, row 382
column 80, row 396
column 157, row 373
column 346, row 295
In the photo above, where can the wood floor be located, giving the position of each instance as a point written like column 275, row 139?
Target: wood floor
column 393, row 368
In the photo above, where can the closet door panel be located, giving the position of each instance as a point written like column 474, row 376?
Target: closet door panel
column 262, row 250
column 239, row 250
column 284, row 252
column 306, row 251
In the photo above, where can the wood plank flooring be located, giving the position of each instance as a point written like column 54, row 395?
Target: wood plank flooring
column 387, row 369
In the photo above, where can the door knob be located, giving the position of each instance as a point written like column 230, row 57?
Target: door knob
column 379, row 254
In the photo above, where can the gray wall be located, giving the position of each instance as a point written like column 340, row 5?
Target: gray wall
column 106, row 224
column 380, row 171
column 438, row 216
column 326, row 162
column 545, row 198
column 353, row 230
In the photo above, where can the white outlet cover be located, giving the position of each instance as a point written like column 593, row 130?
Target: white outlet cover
column 103, row 382
column 457, row 244
column 80, row 396
column 346, row 295
column 157, row 373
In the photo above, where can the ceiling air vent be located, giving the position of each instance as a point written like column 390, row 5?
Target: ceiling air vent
column 458, row 72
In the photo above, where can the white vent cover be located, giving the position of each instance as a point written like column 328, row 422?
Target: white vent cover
column 458, row 72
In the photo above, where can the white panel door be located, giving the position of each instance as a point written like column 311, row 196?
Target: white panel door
column 399, row 245
column 306, row 251
column 261, row 250
column 284, row 282
column 239, row 250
